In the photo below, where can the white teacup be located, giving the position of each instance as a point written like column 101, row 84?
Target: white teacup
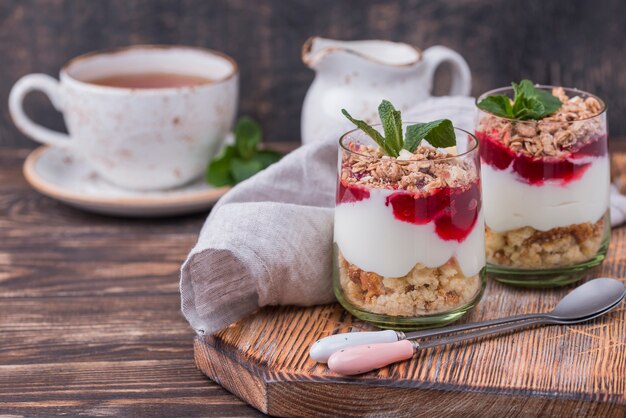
column 138, row 138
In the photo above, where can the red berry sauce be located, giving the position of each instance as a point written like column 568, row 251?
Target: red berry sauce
column 454, row 210
column 350, row 193
column 536, row 170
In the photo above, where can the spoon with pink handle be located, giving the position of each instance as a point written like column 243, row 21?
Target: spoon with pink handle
column 604, row 296
column 588, row 299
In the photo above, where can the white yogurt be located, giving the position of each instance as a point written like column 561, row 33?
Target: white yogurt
column 510, row 203
column 370, row 237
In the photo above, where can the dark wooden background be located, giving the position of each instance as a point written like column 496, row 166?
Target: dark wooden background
column 576, row 43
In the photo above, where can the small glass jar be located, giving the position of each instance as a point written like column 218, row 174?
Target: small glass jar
column 546, row 187
column 409, row 233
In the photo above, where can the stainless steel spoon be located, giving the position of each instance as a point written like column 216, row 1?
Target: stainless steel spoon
column 364, row 358
column 591, row 298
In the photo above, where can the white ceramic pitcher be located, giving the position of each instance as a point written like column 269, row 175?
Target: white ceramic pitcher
column 357, row 75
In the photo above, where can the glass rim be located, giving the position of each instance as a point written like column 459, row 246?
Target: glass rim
column 473, row 148
column 493, row 92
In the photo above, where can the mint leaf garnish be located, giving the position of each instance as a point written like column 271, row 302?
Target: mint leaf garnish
column 524, row 88
column 528, row 103
column 242, row 160
column 392, row 125
column 372, row 133
column 498, row 105
column 550, row 102
column 438, row 133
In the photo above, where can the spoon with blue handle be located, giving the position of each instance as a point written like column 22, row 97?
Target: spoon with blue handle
column 588, row 299
column 364, row 358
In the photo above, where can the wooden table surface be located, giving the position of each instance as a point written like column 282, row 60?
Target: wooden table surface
column 90, row 318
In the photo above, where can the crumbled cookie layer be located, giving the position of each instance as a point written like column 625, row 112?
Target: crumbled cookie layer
column 528, row 248
column 424, row 170
column 424, row 291
column 568, row 129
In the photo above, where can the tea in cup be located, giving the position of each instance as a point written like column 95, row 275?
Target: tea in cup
column 144, row 117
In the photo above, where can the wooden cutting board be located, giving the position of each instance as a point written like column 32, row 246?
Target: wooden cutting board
column 566, row 371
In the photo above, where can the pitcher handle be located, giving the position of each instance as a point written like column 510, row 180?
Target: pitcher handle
column 461, row 75
column 50, row 87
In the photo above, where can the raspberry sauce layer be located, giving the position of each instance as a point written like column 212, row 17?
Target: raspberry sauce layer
column 454, row 210
column 350, row 193
column 536, row 171
column 371, row 237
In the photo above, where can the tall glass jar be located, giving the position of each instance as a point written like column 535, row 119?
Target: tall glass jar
column 546, row 191
column 409, row 233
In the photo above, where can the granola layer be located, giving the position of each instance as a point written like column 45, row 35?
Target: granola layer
column 569, row 129
column 423, row 291
column 422, row 171
column 528, row 248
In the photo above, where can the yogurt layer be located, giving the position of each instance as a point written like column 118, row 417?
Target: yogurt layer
column 370, row 237
column 510, row 203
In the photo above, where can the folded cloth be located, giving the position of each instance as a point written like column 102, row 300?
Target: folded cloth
column 268, row 241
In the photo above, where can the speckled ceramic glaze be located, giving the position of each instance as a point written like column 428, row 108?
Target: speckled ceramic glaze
column 142, row 139
column 64, row 176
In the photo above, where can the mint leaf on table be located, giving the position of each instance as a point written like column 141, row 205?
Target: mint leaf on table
column 392, row 125
column 243, row 159
column 267, row 157
column 244, row 169
column 438, row 133
column 528, row 103
column 218, row 173
column 247, row 136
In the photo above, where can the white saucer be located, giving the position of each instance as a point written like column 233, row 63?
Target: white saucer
column 63, row 176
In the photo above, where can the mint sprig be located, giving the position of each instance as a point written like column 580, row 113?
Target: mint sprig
column 528, row 103
column 243, row 159
column 392, row 125
column 372, row 133
column 438, row 133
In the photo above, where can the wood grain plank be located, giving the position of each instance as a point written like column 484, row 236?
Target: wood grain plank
column 114, row 388
column 582, row 47
column 579, row 370
column 36, row 330
column 82, row 254
column 90, row 324
column 90, row 320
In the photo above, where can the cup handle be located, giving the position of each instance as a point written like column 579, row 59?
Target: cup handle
column 50, row 87
column 461, row 75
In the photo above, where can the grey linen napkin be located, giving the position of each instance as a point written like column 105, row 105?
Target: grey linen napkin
column 269, row 240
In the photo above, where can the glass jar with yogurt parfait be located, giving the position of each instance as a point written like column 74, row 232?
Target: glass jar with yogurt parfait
column 409, row 232
column 545, row 190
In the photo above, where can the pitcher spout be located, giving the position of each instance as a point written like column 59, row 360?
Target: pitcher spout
column 393, row 54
